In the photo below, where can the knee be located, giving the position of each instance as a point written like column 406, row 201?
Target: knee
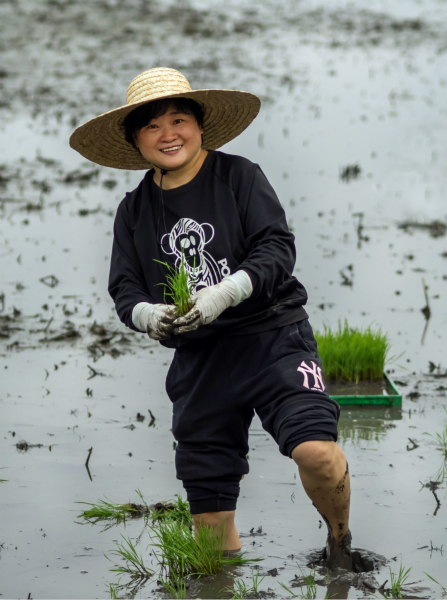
column 216, row 520
column 319, row 457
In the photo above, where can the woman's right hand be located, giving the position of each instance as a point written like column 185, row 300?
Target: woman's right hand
column 157, row 320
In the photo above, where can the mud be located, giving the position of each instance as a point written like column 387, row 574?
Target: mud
column 435, row 228
column 343, row 86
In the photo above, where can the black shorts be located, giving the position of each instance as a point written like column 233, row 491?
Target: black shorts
column 217, row 385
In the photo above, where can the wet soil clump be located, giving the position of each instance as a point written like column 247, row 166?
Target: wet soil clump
column 364, row 564
column 363, row 561
column 435, row 228
column 24, row 446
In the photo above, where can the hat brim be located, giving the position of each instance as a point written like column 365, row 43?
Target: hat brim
column 226, row 114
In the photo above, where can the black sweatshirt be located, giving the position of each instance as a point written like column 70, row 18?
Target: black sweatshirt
column 225, row 219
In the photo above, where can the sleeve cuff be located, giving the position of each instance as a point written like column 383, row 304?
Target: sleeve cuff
column 136, row 315
column 243, row 286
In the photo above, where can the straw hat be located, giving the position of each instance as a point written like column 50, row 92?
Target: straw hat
column 226, row 113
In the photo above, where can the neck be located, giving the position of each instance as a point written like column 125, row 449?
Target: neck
column 176, row 178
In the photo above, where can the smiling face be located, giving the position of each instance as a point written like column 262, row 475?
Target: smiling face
column 172, row 141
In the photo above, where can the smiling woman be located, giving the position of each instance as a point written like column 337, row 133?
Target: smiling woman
column 239, row 345
column 141, row 116
column 168, row 134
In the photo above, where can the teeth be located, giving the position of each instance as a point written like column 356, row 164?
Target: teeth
column 171, row 149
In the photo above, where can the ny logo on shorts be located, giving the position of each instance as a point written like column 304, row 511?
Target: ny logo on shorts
column 315, row 371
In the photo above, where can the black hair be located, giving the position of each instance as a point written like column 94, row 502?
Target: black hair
column 142, row 115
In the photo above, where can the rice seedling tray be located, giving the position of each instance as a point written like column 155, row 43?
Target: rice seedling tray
column 348, row 394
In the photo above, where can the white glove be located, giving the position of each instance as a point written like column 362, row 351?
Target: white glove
column 155, row 319
column 211, row 301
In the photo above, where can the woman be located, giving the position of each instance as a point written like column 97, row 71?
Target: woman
column 246, row 345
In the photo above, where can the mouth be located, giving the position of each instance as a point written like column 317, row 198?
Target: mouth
column 171, row 150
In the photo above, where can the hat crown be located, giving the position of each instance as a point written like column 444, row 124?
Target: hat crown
column 156, row 83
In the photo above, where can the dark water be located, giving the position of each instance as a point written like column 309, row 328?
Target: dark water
column 341, row 84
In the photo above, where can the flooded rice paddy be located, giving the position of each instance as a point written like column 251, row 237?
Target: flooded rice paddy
column 352, row 136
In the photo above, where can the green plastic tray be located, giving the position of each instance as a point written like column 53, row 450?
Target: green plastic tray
column 393, row 398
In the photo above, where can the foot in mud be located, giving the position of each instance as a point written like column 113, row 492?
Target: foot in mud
column 338, row 554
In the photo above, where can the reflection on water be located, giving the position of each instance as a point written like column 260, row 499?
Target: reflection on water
column 367, row 423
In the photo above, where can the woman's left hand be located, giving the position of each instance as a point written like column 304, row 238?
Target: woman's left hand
column 209, row 303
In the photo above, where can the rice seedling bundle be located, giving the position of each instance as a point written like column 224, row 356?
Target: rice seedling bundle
column 105, row 510
column 181, row 553
column 177, row 510
column 177, row 287
column 353, row 355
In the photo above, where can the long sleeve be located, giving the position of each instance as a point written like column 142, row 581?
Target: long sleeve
column 126, row 280
column 225, row 220
column 269, row 244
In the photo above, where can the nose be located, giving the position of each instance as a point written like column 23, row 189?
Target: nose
column 168, row 134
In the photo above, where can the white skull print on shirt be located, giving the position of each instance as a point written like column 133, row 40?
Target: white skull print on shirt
column 188, row 239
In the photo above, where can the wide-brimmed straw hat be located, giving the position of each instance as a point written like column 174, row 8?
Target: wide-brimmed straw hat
column 226, row 113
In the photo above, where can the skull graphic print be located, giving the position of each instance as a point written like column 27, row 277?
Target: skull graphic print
column 188, row 239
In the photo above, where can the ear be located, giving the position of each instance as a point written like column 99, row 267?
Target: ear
column 210, row 234
column 135, row 138
column 164, row 243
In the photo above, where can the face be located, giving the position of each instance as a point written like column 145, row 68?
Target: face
column 172, row 141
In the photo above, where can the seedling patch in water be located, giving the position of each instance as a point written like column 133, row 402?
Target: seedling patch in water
column 352, row 355
column 181, row 555
column 178, row 510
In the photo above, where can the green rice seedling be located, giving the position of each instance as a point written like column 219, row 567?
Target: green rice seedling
column 441, row 474
column 106, row 511
column 175, row 586
column 174, row 589
column 113, row 590
column 180, row 553
column 353, row 355
column 256, row 582
column 444, row 590
column 308, row 588
column 134, row 564
column 441, row 438
column 178, row 510
column 239, row 590
column 397, row 581
column 177, row 287
column 289, row 591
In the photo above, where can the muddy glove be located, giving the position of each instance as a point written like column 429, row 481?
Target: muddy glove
column 211, row 301
column 155, row 319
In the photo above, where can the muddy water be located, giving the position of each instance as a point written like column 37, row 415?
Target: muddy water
column 341, row 85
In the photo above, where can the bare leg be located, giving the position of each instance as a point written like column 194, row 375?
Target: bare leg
column 223, row 521
column 325, row 477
